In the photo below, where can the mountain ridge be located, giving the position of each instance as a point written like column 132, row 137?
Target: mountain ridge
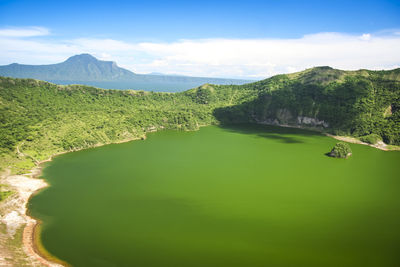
column 86, row 69
column 83, row 67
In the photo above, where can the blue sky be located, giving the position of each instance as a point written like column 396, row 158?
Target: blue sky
column 162, row 36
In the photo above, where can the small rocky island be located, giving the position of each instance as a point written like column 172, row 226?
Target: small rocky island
column 341, row 150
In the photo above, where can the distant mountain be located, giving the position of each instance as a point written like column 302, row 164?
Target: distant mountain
column 87, row 69
column 82, row 67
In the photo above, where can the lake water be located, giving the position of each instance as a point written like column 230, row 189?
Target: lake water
column 156, row 86
column 243, row 196
column 171, row 87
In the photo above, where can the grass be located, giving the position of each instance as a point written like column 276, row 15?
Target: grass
column 4, row 193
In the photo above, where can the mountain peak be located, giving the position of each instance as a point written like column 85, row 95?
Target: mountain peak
column 87, row 68
column 81, row 58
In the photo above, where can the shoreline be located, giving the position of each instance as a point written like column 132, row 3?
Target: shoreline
column 25, row 187
column 379, row 145
column 29, row 184
column 31, row 233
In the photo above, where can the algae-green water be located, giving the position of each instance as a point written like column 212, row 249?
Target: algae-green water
column 237, row 196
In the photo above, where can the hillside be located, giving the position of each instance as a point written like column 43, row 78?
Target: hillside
column 86, row 69
column 39, row 119
column 356, row 103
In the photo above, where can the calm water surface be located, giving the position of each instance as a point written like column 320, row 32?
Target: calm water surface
column 242, row 196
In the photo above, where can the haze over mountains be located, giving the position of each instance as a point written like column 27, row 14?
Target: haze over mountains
column 86, row 69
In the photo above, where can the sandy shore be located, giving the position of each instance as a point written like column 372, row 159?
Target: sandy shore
column 380, row 145
column 16, row 215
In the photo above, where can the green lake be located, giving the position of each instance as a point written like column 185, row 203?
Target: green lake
column 247, row 196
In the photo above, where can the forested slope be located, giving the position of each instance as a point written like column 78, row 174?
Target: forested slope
column 38, row 119
column 355, row 103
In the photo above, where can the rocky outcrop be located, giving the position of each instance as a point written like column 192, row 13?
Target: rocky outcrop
column 303, row 120
column 284, row 117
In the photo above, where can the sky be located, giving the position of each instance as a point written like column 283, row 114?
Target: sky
column 233, row 39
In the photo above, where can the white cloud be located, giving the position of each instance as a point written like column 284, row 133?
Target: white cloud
column 24, row 32
column 365, row 37
column 253, row 58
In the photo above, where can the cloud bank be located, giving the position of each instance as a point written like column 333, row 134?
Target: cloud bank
column 241, row 58
column 24, row 32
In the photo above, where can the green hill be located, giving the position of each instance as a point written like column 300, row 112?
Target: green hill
column 353, row 103
column 38, row 119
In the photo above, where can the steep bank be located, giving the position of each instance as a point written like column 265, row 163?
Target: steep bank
column 345, row 103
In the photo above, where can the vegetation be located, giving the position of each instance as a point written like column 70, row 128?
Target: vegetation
column 355, row 103
column 39, row 119
column 4, row 193
column 371, row 138
column 341, row 150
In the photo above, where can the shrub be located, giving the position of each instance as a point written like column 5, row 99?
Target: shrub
column 341, row 150
column 371, row 138
column 4, row 194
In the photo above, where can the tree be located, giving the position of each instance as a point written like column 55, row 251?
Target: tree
column 341, row 150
